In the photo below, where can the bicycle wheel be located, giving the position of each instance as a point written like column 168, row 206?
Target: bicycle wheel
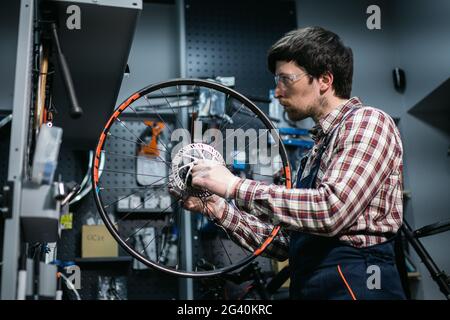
column 141, row 149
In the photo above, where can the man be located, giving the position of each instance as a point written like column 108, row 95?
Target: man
column 346, row 207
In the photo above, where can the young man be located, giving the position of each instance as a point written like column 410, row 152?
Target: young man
column 346, row 207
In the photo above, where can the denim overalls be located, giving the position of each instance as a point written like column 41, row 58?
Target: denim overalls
column 326, row 268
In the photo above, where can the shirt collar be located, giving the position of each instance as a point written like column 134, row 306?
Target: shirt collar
column 327, row 123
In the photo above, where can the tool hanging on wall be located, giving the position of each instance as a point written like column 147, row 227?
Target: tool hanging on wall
column 151, row 160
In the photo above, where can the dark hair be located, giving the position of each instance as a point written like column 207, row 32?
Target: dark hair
column 317, row 51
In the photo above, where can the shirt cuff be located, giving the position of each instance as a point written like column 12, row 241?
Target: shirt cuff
column 245, row 193
column 229, row 220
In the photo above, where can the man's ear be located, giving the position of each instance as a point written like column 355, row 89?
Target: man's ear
column 326, row 81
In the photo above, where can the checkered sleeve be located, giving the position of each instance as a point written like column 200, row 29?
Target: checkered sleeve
column 362, row 159
column 250, row 232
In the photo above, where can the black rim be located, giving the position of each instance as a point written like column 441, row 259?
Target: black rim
column 100, row 205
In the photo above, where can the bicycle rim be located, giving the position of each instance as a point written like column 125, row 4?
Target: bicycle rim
column 172, row 99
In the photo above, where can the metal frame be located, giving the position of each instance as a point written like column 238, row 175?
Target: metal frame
column 17, row 154
column 186, row 285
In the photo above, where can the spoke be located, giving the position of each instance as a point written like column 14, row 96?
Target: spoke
column 146, row 224
column 159, row 157
column 160, row 140
column 192, row 116
column 240, row 162
column 121, row 138
column 263, row 175
column 243, row 250
column 163, row 244
column 135, row 157
column 168, row 164
column 225, row 139
column 139, row 144
column 235, row 112
column 146, row 246
column 176, row 118
column 141, row 188
column 158, row 115
column 250, row 142
column 109, row 204
column 261, row 239
column 225, row 249
column 181, row 212
column 129, row 130
column 132, row 173
column 130, row 212
column 135, row 142
column 202, row 219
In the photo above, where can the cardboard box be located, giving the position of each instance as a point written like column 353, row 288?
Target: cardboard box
column 96, row 241
column 278, row 265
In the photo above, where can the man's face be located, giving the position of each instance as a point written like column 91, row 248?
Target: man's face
column 297, row 93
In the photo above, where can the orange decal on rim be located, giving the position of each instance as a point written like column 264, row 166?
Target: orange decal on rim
column 97, row 156
column 287, row 171
column 96, row 170
column 267, row 242
column 113, row 117
column 129, row 100
column 103, row 135
column 275, row 230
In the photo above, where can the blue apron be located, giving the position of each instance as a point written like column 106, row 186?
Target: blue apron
column 326, row 268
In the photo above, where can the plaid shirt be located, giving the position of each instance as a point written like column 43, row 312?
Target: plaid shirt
column 358, row 193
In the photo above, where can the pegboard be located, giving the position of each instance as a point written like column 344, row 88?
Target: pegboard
column 231, row 38
column 72, row 165
column 5, row 134
column 120, row 166
column 222, row 39
column 142, row 284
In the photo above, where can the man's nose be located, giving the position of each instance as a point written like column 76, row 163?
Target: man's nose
column 278, row 92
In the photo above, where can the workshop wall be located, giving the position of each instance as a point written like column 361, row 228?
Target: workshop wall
column 155, row 51
column 413, row 41
column 372, row 49
column 154, row 57
column 231, row 38
column 423, row 47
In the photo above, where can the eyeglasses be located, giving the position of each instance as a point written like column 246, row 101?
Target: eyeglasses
column 288, row 79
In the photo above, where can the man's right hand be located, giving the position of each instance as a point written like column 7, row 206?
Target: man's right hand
column 212, row 206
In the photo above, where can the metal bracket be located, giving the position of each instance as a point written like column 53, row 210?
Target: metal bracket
column 6, row 196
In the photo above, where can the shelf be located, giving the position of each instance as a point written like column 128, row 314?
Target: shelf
column 434, row 108
column 122, row 259
column 414, row 275
column 96, row 55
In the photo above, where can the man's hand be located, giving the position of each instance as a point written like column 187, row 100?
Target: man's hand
column 212, row 206
column 215, row 178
